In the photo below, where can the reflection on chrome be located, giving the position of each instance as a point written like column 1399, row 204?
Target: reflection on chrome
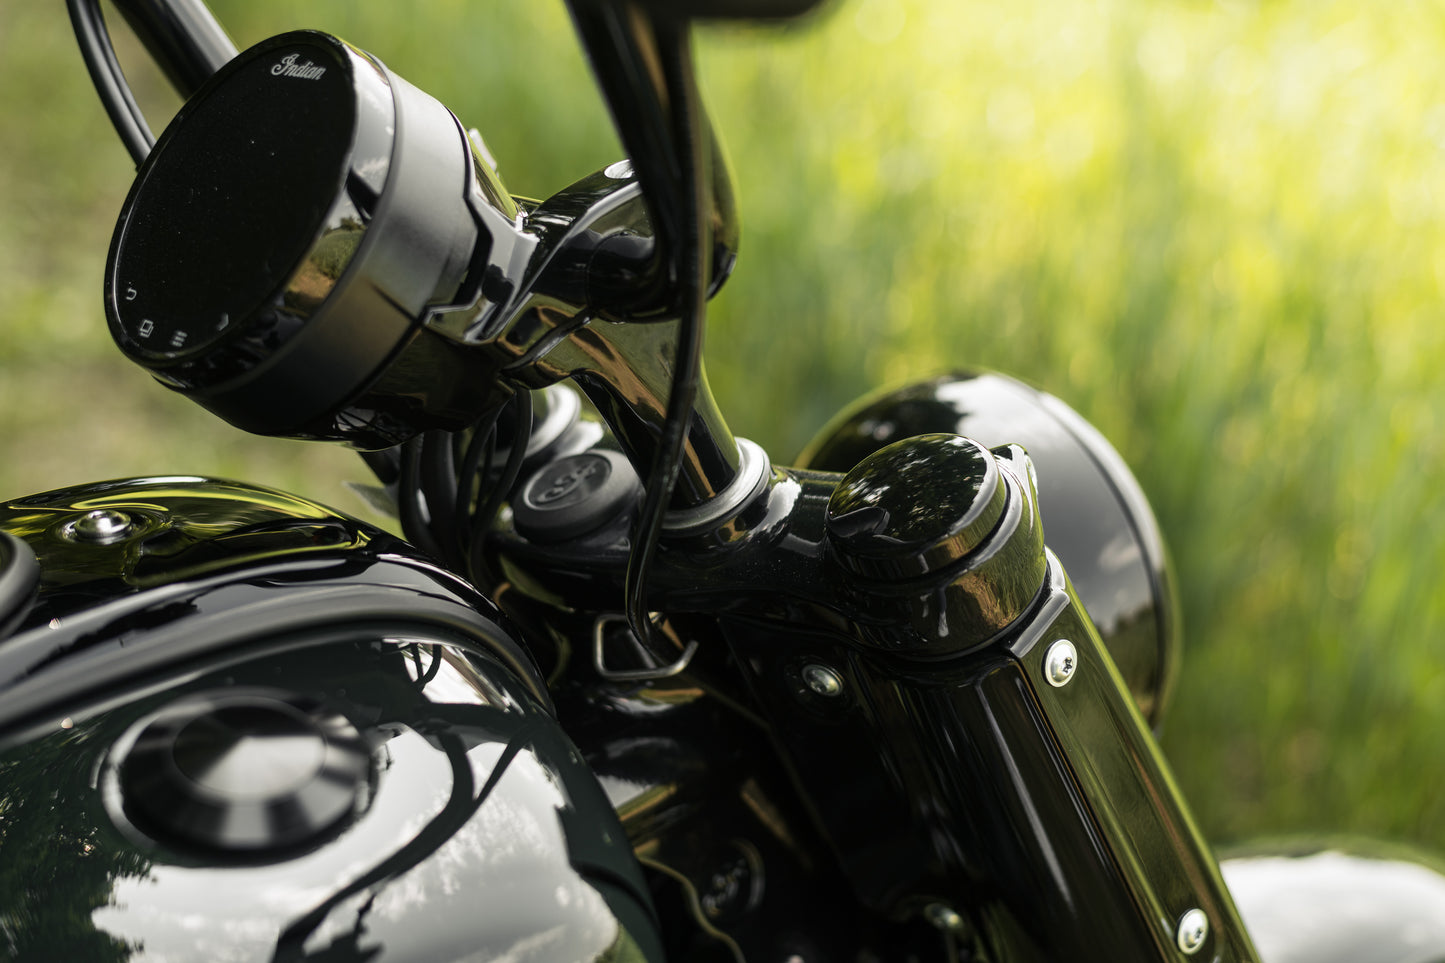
column 511, row 856
column 229, row 913
column 447, row 676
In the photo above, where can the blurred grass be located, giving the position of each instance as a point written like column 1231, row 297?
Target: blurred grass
column 1213, row 228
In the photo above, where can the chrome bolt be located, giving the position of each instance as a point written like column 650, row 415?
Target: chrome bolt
column 101, row 527
column 943, row 917
column 1061, row 662
column 823, row 680
column 1193, row 931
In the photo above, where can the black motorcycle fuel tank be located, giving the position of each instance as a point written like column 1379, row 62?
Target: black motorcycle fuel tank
column 237, row 725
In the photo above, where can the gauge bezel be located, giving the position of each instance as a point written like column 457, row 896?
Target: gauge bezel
column 313, row 377
column 363, row 168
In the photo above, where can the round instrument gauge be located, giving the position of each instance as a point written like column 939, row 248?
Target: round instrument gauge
column 286, row 240
column 241, row 227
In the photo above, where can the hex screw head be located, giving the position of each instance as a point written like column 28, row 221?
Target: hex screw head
column 822, row 680
column 1193, row 931
column 1060, row 663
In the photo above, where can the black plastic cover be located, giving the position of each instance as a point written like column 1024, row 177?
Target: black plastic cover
column 916, row 506
column 575, row 495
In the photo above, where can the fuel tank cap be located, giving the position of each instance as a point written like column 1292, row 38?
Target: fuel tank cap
column 240, row 770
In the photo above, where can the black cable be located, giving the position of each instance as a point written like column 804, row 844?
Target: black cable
column 414, row 514
column 445, row 509
column 109, row 80
column 503, row 484
column 687, row 365
column 476, row 462
column 437, row 478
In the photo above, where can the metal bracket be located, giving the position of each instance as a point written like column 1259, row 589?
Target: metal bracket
column 599, row 658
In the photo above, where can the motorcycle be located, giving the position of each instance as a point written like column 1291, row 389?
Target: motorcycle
column 628, row 689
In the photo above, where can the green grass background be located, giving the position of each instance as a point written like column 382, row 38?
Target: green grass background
column 1215, row 228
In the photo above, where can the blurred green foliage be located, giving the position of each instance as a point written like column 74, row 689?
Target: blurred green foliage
column 1215, row 228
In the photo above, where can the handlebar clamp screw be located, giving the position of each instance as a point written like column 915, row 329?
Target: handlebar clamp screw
column 1061, row 662
column 1193, row 931
column 823, row 680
